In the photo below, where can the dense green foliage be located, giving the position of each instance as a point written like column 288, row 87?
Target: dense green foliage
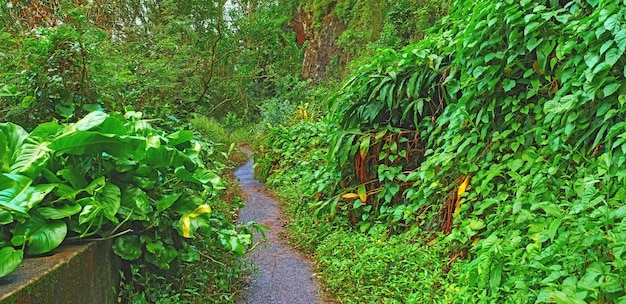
column 497, row 141
column 113, row 177
column 482, row 163
column 63, row 59
column 156, row 193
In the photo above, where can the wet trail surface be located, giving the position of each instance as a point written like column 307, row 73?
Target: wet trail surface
column 283, row 275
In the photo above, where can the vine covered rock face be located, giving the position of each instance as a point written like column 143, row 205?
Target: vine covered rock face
column 503, row 129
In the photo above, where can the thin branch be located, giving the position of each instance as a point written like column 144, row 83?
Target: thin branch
column 220, row 104
column 216, row 43
column 212, row 259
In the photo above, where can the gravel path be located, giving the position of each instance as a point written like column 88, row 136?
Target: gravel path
column 283, row 276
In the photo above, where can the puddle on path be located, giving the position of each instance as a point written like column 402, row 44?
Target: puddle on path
column 283, row 277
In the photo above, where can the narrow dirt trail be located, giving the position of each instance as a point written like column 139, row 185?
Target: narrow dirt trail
column 283, row 276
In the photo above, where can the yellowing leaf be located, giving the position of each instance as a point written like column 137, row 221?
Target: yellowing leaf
column 554, row 86
column 459, row 192
column 202, row 209
column 350, row 196
column 463, row 186
column 537, row 67
column 186, row 226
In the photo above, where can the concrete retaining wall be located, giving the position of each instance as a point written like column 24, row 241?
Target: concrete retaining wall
column 86, row 273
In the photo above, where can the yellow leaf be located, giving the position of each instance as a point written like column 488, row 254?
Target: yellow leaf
column 350, row 196
column 186, row 223
column 463, row 186
column 459, row 192
column 202, row 209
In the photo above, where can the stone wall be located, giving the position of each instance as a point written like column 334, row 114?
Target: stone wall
column 85, row 273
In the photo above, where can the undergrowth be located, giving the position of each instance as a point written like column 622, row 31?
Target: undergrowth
column 353, row 267
column 218, row 276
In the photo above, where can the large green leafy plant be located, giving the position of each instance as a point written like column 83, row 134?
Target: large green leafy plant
column 110, row 176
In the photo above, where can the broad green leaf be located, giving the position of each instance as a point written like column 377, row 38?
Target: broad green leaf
column 16, row 193
column 620, row 39
column 592, row 277
column 145, row 183
column 90, row 210
column 31, row 158
column 553, row 228
column 591, row 59
column 11, row 259
column 531, row 27
column 508, row 84
column 200, row 176
column 533, row 43
column 236, row 246
column 612, row 22
column 90, row 121
column 46, row 131
column 553, row 277
column 495, row 278
column 476, row 224
column 128, row 247
column 563, row 298
column 11, row 138
column 56, row 213
column 136, row 199
column 610, row 89
column 189, row 255
column 96, row 185
column 167, row 201
column 110, row 200
column 112, row 125
column 95, row 143
column 161, row 255
column 180, row 137
column 11, row 185
column 605, row 46
column 39, row 235
column 165, row 156
column 5, row 217
column 559, row 106
column 92, row 107
column 46, row 237
column 73, row 176
column 613, row 55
